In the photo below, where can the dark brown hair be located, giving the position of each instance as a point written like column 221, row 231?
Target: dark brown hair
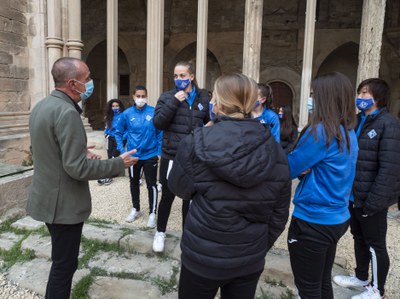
column 333, row 97
column 110, row 113
column 287, row 123
column 378, row 88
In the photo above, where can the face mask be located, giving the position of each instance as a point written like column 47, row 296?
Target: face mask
column 212, row 114
column 89, row 87
column 257, row 103
column 280, row 115
column 364, row 104
column 310, row 104
column 182, row 84
column 140, row 102
column 115, row 110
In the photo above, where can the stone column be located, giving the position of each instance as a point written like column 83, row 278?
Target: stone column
column 155, row 49
column 74, row 43
column 112, row 49
column 307, row 61
column 252, row 38
column 54, row 42
column 201, row 54
column 369, row 55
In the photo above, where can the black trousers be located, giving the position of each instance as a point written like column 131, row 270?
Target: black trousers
column 149, row 167
column 312, row 249
column 369, row 235
column 112, row 151
column 65, row 241
column 167, row 198
column 192, row 286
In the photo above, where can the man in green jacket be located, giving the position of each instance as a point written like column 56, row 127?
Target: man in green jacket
column 63, row 165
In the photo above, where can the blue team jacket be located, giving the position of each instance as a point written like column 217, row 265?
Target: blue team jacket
column 322, row 196
column 141, row 133
column 270, row 118
column 111, row 131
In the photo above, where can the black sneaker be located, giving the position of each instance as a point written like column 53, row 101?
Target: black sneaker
column 107, row 181
column 100, row 182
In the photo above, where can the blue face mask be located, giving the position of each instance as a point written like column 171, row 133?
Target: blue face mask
column 364, row 104
column 280, row 115
column 212, row 114
column 310, row 104
column 182, row 84
column 89, row 87
column 257, row 103
column 115, row 110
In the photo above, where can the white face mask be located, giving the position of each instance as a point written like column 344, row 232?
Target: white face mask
column 140, row 102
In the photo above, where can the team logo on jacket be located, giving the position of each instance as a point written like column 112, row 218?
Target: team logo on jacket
column 148, row 118
column 372, row 134
column 200, row 106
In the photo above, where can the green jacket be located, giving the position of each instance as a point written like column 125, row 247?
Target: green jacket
column 60, row 189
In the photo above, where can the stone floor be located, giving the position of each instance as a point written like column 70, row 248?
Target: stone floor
column 134, row 271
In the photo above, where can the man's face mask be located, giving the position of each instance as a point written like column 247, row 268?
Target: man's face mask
column 89, row 87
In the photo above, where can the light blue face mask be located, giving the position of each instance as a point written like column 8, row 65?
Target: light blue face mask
column 310, row 105
column 89, row 87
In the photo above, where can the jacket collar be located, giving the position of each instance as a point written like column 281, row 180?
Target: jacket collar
column 62, row 95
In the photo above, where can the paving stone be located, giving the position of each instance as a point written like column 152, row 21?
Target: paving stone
column 111, row 262
column 27, row 223
column 114, row 288
column 140, row 241
column 33, row 275
column 8, row 240
column 41, row 245
column 102, row 233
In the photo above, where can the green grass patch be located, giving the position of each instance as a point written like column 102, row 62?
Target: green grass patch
column 167, row 286
column 15, row 255
column 81, row 289
column 92, row 247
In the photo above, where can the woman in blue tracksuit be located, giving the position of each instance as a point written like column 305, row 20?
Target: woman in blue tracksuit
column 324, row 159
column 113, row 114
column 264, row 113
column 137, row 123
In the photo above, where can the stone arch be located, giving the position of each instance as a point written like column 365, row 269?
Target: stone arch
column 97, row 62
column 290, row 78
column 188, row 53
column 343, row 59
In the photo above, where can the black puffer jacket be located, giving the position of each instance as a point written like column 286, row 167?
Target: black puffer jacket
column 377, row 181
column 238, row 179
column 177, row 119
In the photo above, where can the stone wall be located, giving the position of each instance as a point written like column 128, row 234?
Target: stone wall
column 15, row 97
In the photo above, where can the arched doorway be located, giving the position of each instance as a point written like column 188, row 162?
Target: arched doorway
column 283, row 95
column 96, row 105
column 189, row 54
column 343, row 59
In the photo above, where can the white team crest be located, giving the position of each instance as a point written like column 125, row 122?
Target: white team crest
column 132, row 119
column 148, row 118
column 200, row 106
column 372, row 134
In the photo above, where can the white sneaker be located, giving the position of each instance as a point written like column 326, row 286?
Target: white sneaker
column 349, row 281
column 159, row 187
column 152, row 221
column 370, row 293
column 133, row 215
column 158, row 243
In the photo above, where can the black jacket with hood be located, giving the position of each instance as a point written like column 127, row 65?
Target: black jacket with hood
column 237, row 177
column 377, row 181
column 178, row 119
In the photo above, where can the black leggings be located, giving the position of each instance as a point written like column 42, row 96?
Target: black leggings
column 149, row 167
column 167, row 198
column 369, row 235
column 192, row 286
column 312, row 249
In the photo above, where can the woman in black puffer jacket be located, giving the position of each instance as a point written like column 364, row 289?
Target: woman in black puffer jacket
column 237, row 177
